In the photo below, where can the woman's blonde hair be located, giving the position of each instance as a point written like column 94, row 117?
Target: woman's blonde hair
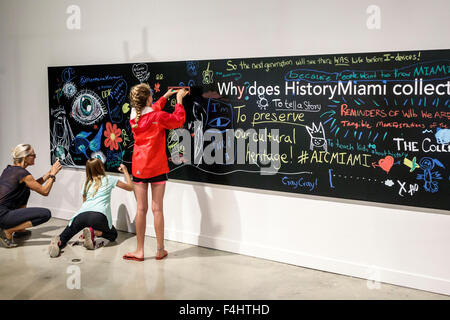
column 138, row 99
column 95, row 171
column 20, row 152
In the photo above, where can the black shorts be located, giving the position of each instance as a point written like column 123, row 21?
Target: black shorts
column 161, row 178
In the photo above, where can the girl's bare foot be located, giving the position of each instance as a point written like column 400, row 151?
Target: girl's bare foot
column 135, row 255
column 161, row 254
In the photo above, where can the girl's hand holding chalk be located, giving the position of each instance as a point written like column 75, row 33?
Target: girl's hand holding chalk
column 169, row 93
column 181, row 94
column 122, row 168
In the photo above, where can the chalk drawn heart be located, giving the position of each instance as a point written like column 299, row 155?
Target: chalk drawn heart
column 386, row 163
column 141, row 72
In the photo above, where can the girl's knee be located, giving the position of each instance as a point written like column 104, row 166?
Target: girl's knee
column 157, row 207
column 142, row 211
column 111, row 234
column 157, row 211
column 114, row 236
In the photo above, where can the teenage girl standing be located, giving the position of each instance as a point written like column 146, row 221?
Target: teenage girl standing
column 149, row 162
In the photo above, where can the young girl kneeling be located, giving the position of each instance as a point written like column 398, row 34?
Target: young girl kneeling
column 94, row 216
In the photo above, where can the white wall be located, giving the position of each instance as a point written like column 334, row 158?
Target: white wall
column 400, row 245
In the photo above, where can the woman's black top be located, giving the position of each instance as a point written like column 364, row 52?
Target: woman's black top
column 13, row 194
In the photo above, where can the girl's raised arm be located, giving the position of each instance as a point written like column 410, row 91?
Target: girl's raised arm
column 126, row 186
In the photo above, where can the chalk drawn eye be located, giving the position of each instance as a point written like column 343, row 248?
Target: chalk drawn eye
column 87, row 108
column 219, row 122
column 69, row 89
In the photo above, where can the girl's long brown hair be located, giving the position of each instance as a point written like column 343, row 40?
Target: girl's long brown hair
column 138, row 99
column 95, row 171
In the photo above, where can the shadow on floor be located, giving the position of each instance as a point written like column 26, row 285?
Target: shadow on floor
column 40, row 233
column 121, row 237
column 37, row 233
column 199, row 252
column 41, row 236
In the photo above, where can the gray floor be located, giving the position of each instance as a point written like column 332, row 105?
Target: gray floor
column 189, row 272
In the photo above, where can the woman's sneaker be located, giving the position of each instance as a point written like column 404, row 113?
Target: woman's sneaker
column 88, row 234
column 7, row 243
column 53, row 248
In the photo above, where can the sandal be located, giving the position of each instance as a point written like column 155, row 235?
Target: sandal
column 7, row 243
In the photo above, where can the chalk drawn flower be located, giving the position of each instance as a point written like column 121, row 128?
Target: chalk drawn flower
column 112, row 134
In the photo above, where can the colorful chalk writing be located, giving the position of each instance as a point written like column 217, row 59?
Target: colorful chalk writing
column 366, row 126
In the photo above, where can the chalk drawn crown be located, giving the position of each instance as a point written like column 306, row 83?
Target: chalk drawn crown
column 315, row 130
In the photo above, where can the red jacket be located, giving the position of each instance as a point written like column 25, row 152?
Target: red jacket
column 149, row 153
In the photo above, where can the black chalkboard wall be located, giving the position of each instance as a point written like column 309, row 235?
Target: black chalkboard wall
column 370, row 126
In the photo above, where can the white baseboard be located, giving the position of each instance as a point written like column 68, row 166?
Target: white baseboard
column 375, row 275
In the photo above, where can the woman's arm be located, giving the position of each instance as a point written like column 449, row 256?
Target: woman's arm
column 39, row 187
column 36, row 186
column 126, row 186
column 44, row 178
